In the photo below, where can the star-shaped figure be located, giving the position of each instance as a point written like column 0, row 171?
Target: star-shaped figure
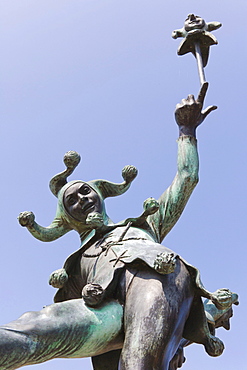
column 196, row 30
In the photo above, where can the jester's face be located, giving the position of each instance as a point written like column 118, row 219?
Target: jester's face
column 193, row 22
column 80, row 200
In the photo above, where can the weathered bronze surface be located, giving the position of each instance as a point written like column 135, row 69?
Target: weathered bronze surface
column 123, row 298
column 197, row 40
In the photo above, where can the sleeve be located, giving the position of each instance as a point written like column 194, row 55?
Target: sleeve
column 173, row 200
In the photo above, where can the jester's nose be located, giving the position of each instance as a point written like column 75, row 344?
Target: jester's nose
column 81, row 198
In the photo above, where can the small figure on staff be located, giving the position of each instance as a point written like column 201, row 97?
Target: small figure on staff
column 197, row 40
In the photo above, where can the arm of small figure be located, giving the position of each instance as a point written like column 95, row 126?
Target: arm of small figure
column 178, row 33
column 212, row 26
column 189, row 116
column 45, row 234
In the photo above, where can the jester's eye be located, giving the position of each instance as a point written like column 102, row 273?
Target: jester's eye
column 84, row 190
column 71, row 201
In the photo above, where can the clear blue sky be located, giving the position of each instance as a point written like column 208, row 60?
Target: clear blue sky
column 102, row 77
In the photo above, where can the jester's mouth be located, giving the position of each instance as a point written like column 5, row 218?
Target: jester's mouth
column 88, row 207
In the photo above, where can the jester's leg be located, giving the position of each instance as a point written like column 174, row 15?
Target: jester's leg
column 156, row 309
column 62, row 330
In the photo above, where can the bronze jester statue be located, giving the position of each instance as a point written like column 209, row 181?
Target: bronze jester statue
column 123, row 298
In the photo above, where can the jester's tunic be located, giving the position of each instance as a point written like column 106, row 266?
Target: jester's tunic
column 101, row 261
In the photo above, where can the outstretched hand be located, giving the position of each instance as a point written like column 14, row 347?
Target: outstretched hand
column 189, row 114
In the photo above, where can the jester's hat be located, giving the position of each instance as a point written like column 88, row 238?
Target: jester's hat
column 63, row 221
column 104, row 188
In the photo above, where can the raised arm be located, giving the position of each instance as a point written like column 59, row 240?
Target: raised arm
column 189, row 116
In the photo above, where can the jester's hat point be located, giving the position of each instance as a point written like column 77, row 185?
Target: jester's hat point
column 104, row 187
column 71, row 160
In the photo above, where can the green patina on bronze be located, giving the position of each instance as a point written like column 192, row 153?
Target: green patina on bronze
column 107, row 248
column 123, row 298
